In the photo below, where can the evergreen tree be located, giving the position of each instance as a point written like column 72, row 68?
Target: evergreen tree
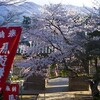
column 26, row 22
column 93, row 53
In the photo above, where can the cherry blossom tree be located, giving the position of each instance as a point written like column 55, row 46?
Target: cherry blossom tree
column 65, row 34
column 61, row 31
column 11, row 18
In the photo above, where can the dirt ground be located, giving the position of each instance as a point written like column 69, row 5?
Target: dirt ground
column 76, row 95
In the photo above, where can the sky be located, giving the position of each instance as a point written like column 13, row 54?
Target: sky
column 88, row 3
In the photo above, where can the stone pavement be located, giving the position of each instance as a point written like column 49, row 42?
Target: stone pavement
column 57, row 89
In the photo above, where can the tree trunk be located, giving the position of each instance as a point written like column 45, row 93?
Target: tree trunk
column 94, row 89
column 95, row 82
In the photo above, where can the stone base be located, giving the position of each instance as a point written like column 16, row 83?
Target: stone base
column 34, row 83
column 78, row 84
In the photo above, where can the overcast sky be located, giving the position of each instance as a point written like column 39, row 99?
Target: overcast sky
column 72, row 2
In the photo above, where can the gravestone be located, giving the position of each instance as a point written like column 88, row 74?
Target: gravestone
column 78, row 84
column 34, row 82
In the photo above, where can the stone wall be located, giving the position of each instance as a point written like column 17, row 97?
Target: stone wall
column 34, row 83
column 78, row 84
